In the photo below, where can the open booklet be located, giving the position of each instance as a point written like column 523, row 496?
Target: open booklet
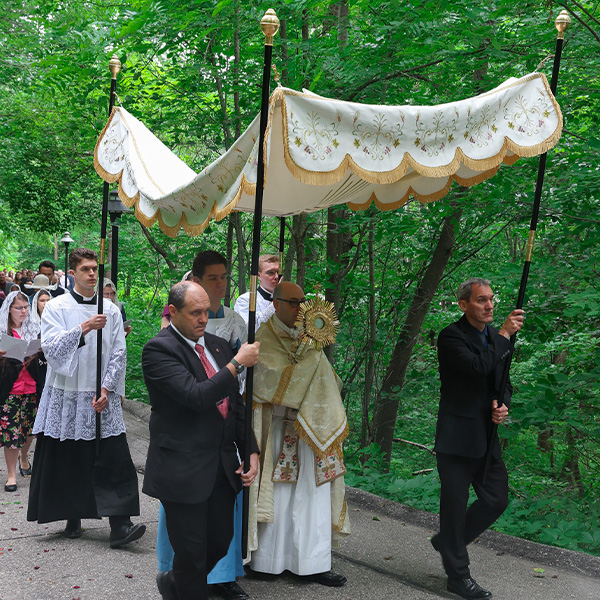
column 19, row 349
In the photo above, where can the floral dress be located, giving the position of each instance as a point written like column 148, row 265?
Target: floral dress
column 18, row 409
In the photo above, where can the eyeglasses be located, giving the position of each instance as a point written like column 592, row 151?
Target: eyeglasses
column 292, row 303
column 20, row 307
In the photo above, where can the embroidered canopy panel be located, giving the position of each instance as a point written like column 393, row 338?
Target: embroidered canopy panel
column 321, row 152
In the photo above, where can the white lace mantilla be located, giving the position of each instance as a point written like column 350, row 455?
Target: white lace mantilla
column 67, row 415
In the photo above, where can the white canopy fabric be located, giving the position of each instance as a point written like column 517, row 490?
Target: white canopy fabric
column 321, row 152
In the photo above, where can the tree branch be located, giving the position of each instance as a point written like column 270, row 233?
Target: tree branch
column 588, row 27
column 422, row 446
column 158, row 248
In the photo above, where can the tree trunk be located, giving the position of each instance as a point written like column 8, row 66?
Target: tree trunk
column 230, row 234
column 284, row 53
column 386, row 409
column 159, row 249
column 570, row 470
column 298, row 234
column 370, row 368
column 236, row 219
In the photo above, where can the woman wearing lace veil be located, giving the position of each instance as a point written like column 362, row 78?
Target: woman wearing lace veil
column 18, row 388
column 37, row 305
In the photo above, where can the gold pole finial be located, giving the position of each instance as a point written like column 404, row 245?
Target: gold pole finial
column 270, row 26
column 562, row 23
column 114, row 65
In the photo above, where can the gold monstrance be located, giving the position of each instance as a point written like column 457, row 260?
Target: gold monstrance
column 317, row 322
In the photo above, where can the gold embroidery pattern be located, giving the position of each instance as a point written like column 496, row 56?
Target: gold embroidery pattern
column 377, row 141
column 318, row 141
column 285, row 469
column 433, row 137
column 527, row 118
column 481, row 126
column 328, row 467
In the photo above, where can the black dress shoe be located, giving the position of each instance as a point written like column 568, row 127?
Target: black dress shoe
column 166, row 585
column 122, row 535
column 328, row 578
column 24, row 472
column 230, row 590
column 10, row 487
column 467, row 588
column 73, row 529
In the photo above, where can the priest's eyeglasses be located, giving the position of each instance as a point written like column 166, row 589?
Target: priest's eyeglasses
column 292, row 303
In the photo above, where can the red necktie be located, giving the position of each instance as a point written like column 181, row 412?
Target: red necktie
column 223, row 406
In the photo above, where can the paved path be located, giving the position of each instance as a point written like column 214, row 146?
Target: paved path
column 387, row 557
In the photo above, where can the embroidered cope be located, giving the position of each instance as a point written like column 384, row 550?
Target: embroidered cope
column 296, row 387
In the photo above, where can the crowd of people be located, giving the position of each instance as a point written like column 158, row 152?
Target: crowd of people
column 29, row 282
column 194, row 370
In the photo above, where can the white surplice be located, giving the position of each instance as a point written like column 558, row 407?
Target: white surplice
column 264, row 308
column 231, row 327
column 65, row 410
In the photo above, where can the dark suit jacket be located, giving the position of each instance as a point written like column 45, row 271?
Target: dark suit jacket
column 470, row 379
column 188, row 435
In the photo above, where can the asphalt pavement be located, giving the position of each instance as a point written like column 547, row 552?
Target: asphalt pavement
column 388, row 555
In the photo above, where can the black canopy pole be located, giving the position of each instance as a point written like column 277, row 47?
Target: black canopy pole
column 269, row 25
column 562, row 22
column 281, row 243
column 114, row 66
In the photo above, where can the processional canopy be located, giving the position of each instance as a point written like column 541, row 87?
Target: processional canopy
column 321, row 152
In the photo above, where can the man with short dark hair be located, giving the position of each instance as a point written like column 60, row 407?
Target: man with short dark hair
column 196, row 429
column 70, row 480
column 268, row 278
column 471, row 356
column 210, row 271
column 47, row 268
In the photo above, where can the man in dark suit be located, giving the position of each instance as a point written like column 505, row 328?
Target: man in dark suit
column 471, row 356
column 196, row 429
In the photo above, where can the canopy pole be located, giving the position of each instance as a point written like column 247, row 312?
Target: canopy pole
column 281, row 242
column 269, row 25
column 561, row 23
column 115, row 66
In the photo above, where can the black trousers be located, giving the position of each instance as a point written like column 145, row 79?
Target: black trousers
column 200, row 535
column 460, row 525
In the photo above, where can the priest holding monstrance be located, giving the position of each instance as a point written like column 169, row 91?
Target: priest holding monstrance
column 300, row 423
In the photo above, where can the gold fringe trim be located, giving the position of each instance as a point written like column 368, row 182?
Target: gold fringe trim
column 334, row 447
column 339, row 526
column 488, row 166
column 394, row 175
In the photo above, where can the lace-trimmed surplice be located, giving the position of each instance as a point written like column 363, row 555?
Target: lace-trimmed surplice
column 65, row 410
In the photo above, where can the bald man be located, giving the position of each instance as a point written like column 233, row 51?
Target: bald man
column 300, row 422
column 196, row 428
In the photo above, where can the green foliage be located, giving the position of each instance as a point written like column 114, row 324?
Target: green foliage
column 186, row 77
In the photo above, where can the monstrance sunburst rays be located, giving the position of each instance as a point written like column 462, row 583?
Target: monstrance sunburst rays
column 317, row 322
